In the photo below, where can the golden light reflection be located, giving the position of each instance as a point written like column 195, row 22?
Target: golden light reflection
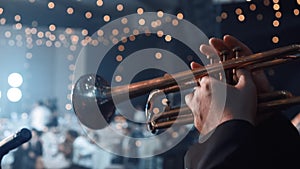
column 115, row 32
column 18, row 18
column 135, row 32
column 278, row 14
column 69, row 31
column 276, row 23
column 124, row 39
column 40, row 34
column 100, row 33
column 241, row 18
column 119, row 58
column 140, row 11
column 121, row 48
column 1, row 11
column 51, row 5
column 160, row 14
column 126, row 30
column 84, row 32
column 68, row 106
column 70, row 10
column 142, row 22
column 238, row 11
column 106, row 18
column 275, row 39
column 132, row 38
column 180, row 16
column 2, row 21
column 224, row 15
column 158, row 55
column 168, row 38
column 52, row 37
column 160, row 33
column 120, row 7
column 118, row 78
column 124, row 21
column 99, row 3
column 276, row 7
column 296, row 12
column 18, row 26
column 52, row 27
column 175, row 22
column 252, row 7
column 88, row 15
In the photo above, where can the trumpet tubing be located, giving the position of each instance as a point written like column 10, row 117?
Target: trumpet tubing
column 92, row 92
column 181, row 116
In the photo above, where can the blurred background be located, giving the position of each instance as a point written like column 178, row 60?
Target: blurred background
column 40, row 41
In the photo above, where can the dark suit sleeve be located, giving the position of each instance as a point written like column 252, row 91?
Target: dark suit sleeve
column 230, row 146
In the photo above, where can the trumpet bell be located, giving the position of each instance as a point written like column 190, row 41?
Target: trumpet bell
column 92, row 107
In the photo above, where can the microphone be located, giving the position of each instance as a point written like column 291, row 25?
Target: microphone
column 14, row 141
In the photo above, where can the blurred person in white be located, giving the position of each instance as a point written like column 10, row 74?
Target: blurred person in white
column 40, row 116
column 52, row 157
column 83, row 151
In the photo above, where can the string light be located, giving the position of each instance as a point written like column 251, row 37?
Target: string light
column 106, row 18
column 160, row 33
column 275, row 23
column 276, row 7
column 160, row 14
column 175, row 22
column 168, row 38
column 142, row 22
column 70, row 10
column 140, row 11
column 124, row 21
column 180, row 16
column 118, row 78
column 224, row 15
column 241, row 18
column 238, row 11
column 99, row 3
column 51, row 5
column 121, row 48
column 158, row 55
column 252, row 7
column 275, row 39
column 119, row 58
column 120, row 7
column 88, row 15
column 278, row 14
column 17, row 18
column 52, row 27
column 296, row 12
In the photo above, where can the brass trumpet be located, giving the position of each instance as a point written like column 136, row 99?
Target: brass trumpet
column 276, row 100
column 92, row 93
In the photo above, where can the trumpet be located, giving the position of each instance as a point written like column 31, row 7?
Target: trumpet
column 276, row 100
column 91, row 93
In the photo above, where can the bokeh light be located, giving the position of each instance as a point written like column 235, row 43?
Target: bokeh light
column 14, row 94
column 15, row 80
